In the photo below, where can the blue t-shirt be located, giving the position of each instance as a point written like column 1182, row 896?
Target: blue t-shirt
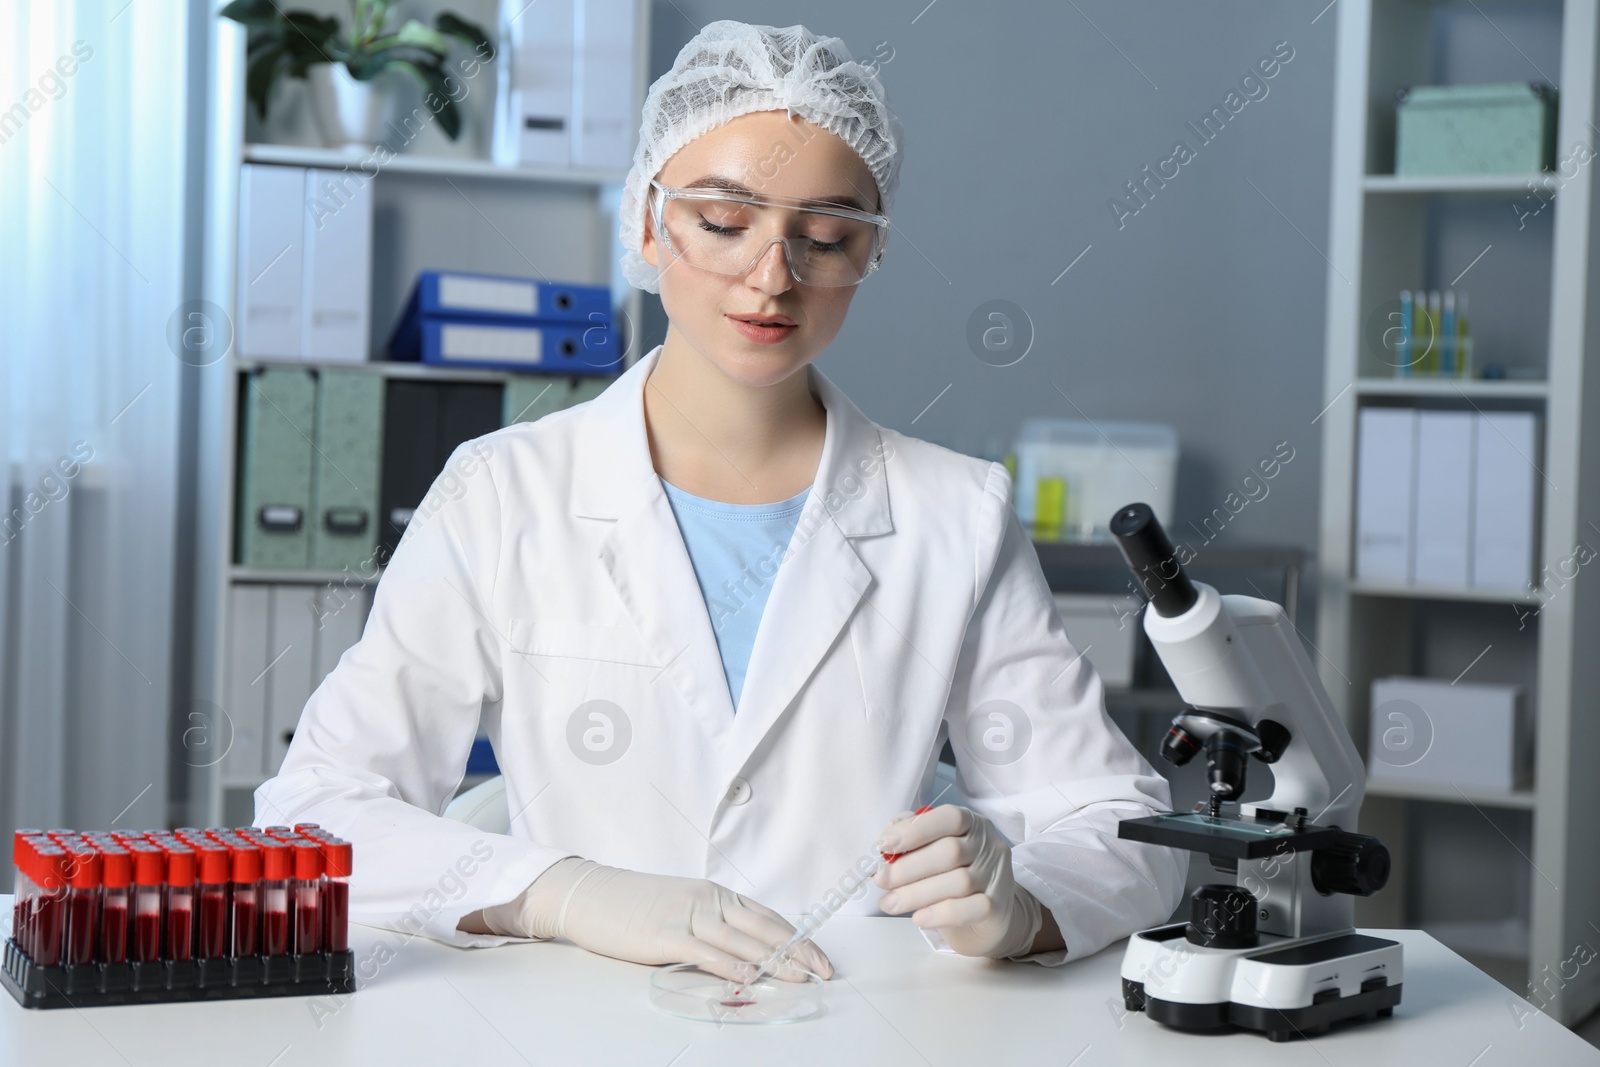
column 735, row 549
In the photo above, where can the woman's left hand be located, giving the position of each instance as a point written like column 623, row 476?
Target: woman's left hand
column 953, row 873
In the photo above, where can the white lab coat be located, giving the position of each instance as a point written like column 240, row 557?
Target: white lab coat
column 545, row 571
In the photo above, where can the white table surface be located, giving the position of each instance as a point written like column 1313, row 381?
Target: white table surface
column 892, row 1001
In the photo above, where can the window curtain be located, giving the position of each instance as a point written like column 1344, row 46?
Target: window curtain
column 93, row 98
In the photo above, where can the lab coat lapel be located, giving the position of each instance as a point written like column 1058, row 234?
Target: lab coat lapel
column 643, row 553
column 819, row 584
column 821, row 580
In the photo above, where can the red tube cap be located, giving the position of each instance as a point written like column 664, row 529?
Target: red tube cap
column 83, row 870
column 336, row 857
column 277, row 861
column 307, row 861
column 149, row 863
column 246, row 862
column 50, row 867
column 116, row 870
column 213, row 863
column 180, row 865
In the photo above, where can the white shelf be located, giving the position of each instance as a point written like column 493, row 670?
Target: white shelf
column 1473, row 388
column 1366, row 587
column 1380, row 233
column 438, row 166
column 1459, row 183
column 1518, row 799
column 422, row 371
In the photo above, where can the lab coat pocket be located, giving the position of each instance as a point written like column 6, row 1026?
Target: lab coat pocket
column 572, row 639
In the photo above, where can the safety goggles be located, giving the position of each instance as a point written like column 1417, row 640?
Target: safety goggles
column 728, row 232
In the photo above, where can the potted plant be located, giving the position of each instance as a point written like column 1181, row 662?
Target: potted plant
column 341, row 67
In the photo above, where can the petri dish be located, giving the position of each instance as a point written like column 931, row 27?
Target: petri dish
column 688, row 992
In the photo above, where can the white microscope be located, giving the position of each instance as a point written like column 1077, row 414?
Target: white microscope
column 1274, row 950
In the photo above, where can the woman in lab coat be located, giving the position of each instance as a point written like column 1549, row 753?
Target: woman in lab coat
column 589, row 587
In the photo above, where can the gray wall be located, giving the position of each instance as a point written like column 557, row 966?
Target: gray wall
column 1205, row 310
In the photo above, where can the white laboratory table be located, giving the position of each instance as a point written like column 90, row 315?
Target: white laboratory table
column 892, row 1001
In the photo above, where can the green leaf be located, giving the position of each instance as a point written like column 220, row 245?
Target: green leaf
column 252, row 13
column 432, row 80
column 416, row 34
column 260, row 73
column 453, row 25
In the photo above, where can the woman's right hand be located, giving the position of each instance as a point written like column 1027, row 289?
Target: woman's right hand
column 655, row 919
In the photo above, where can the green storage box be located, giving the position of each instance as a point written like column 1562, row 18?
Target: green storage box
column 1475, row 129
column 347, row 470
column 277, row 406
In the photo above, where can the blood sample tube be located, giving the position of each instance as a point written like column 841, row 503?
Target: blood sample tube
column 83, row 906
column 22, row 848
column 50, row 872
column 180, row 903
column 302, row 827
column 307, row 897
column 245, row 897
column 281, row 832
column 149, row 871
column 211, row 941
column 336, row 857
column 116, row 875
column 277, row 865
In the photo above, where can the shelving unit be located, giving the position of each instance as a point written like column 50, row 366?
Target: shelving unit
column 1536, row 850
column 430, row 212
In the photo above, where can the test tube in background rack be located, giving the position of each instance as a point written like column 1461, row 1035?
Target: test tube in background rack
column 211, row 927
column 83, row 904
column 245, row 893
column 336, row 856
column 25, row 890
column 149, row 872
column 49, row 904
column 307, row 897
column 180, row 902
column 277, row 868
column 116, row 876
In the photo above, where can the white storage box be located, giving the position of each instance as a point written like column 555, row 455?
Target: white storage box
column 1105, row 466
column 1103, row 631
column 1472, row 735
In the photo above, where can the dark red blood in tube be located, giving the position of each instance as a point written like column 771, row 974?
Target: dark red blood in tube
column 147, row 935
column 336, row 916
column 213, row 941
column 114, row 932
column 48, row 910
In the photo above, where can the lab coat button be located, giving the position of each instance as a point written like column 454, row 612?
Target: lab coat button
column 739, row 792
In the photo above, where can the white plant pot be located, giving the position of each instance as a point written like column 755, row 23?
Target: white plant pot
column 347, row 112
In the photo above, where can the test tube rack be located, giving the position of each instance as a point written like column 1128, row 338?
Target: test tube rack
column 84, row 985
column 140, row 917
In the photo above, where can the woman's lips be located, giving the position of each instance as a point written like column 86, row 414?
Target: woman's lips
column 766, row 335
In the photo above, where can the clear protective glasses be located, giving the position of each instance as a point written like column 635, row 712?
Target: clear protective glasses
column 728, row 232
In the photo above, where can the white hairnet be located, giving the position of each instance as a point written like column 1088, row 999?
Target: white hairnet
column 732, row 68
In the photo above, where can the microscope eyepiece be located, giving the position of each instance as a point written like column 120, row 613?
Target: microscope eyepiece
column 1154, row 562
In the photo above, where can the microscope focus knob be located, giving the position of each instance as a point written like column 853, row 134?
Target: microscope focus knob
column 1222, row 916
column 1357, row 864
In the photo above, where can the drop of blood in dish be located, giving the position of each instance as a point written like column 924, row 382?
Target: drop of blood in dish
column 734, row 1002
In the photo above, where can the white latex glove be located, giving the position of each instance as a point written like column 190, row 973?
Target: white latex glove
column 653, row 918
column 953, row 873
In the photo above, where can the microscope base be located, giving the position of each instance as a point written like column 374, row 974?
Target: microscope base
column 1283, row 987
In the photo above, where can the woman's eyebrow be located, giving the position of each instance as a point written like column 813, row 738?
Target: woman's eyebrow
column 715, row 182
